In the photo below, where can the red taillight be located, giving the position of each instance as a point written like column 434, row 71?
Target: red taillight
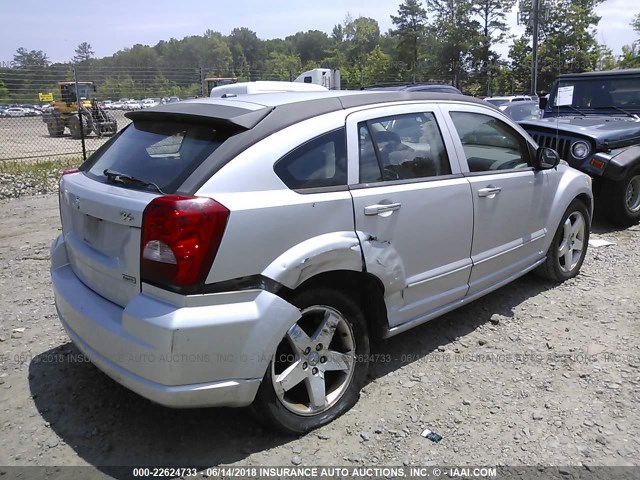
column 69, row 171
column 180, row 238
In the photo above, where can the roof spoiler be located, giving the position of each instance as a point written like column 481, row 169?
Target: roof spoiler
column 219, row 115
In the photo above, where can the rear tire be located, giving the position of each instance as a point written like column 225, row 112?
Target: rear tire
column 55, row 130
column 74, row 126
column 622, row 199
column 569, row 245
column 320, row 365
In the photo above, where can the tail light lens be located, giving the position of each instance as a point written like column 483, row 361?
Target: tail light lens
column 180, row 239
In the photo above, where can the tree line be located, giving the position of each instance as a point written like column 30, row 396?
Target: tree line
column 445, row 41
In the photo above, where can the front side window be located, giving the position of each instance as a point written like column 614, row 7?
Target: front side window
column 321, row 162
column 401, row 147
column 489, row 143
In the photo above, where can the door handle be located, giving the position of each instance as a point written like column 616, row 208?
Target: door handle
column 489, row 191
column 381, row 208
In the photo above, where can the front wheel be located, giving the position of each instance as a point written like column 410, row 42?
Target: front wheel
column 569, row 245
column 319, row 366
column 622, row 199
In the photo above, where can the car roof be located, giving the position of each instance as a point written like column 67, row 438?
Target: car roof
column 245, row 112
column 603, row 73
column 243, row 116
column 411, row 87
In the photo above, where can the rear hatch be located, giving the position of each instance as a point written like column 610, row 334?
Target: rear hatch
column 101, row 227
column 102, row 206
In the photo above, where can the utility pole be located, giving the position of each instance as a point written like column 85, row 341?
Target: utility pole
column 534, row 53
column 532, row 19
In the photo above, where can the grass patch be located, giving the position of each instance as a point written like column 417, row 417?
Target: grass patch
column 33, row 177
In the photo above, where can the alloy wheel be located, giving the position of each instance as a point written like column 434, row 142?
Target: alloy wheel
column 572, row 241
column 314, row 364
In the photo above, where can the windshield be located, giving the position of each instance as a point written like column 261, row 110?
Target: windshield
column 155, row 152
column 597, row 92
column 497, row 101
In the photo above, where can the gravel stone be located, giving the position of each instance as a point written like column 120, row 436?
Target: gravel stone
column 570, row 405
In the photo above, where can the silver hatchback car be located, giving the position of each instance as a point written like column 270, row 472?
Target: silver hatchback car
column 228, row 252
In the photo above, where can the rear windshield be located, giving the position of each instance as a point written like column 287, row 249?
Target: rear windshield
column 160, row 153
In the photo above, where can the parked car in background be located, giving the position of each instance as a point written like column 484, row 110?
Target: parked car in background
column 497, row 101
column 18, row 112
column 166, row 100
column 119, row 104
column 132, row 104
column 248, row 248
column 593, row 121
column 150, row 102
column 414, row 87
column 518, row 111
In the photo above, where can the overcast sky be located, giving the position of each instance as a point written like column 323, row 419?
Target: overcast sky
column 59, row 27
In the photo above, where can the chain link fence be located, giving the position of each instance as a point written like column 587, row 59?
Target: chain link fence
column 33, row 129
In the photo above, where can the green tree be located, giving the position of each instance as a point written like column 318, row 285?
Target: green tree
column 282, row 67
column 519, row 65
column 34, row 58
column 246, row 49
column 310, row 46
column 84, row 53
column 456, row 37
column 630, row 57
column 360, row 38
column 4, row 92
column 605, row 58
column 567, row 39
column 377, row 69
column 492, row 18
column 411, row 30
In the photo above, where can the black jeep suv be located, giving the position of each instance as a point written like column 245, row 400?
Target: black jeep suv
column 593, row 121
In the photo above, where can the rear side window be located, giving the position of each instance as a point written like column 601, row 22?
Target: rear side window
column 321, row 162
column 162, row 153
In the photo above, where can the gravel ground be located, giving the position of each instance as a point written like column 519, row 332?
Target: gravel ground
column 532, row 374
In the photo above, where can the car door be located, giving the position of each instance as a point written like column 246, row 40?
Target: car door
column 509, row 201
column 412, row 208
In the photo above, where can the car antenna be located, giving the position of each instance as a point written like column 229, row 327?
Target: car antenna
column 558, row 107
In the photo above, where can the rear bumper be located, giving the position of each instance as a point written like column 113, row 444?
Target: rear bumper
column 211, row 350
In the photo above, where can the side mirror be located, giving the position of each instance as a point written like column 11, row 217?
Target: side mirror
column 546, row 158
column 543, row 102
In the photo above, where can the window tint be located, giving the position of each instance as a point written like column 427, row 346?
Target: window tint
column 401, row 147
column 321, row 162
column 164, row 153
column 601, row 92
column 490, row 144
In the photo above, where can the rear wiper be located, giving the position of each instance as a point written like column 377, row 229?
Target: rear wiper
column 117, row 177
column 610, row 107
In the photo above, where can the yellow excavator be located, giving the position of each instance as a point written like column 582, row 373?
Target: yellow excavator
column 70, row 113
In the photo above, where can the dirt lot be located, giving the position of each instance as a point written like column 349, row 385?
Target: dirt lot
column 533, row 374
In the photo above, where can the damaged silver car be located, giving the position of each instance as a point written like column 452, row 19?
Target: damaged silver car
column 238, row 251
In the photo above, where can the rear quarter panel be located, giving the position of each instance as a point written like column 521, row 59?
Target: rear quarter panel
column 274, row 231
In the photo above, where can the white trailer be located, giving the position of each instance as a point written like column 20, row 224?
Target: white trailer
column 321, row 76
